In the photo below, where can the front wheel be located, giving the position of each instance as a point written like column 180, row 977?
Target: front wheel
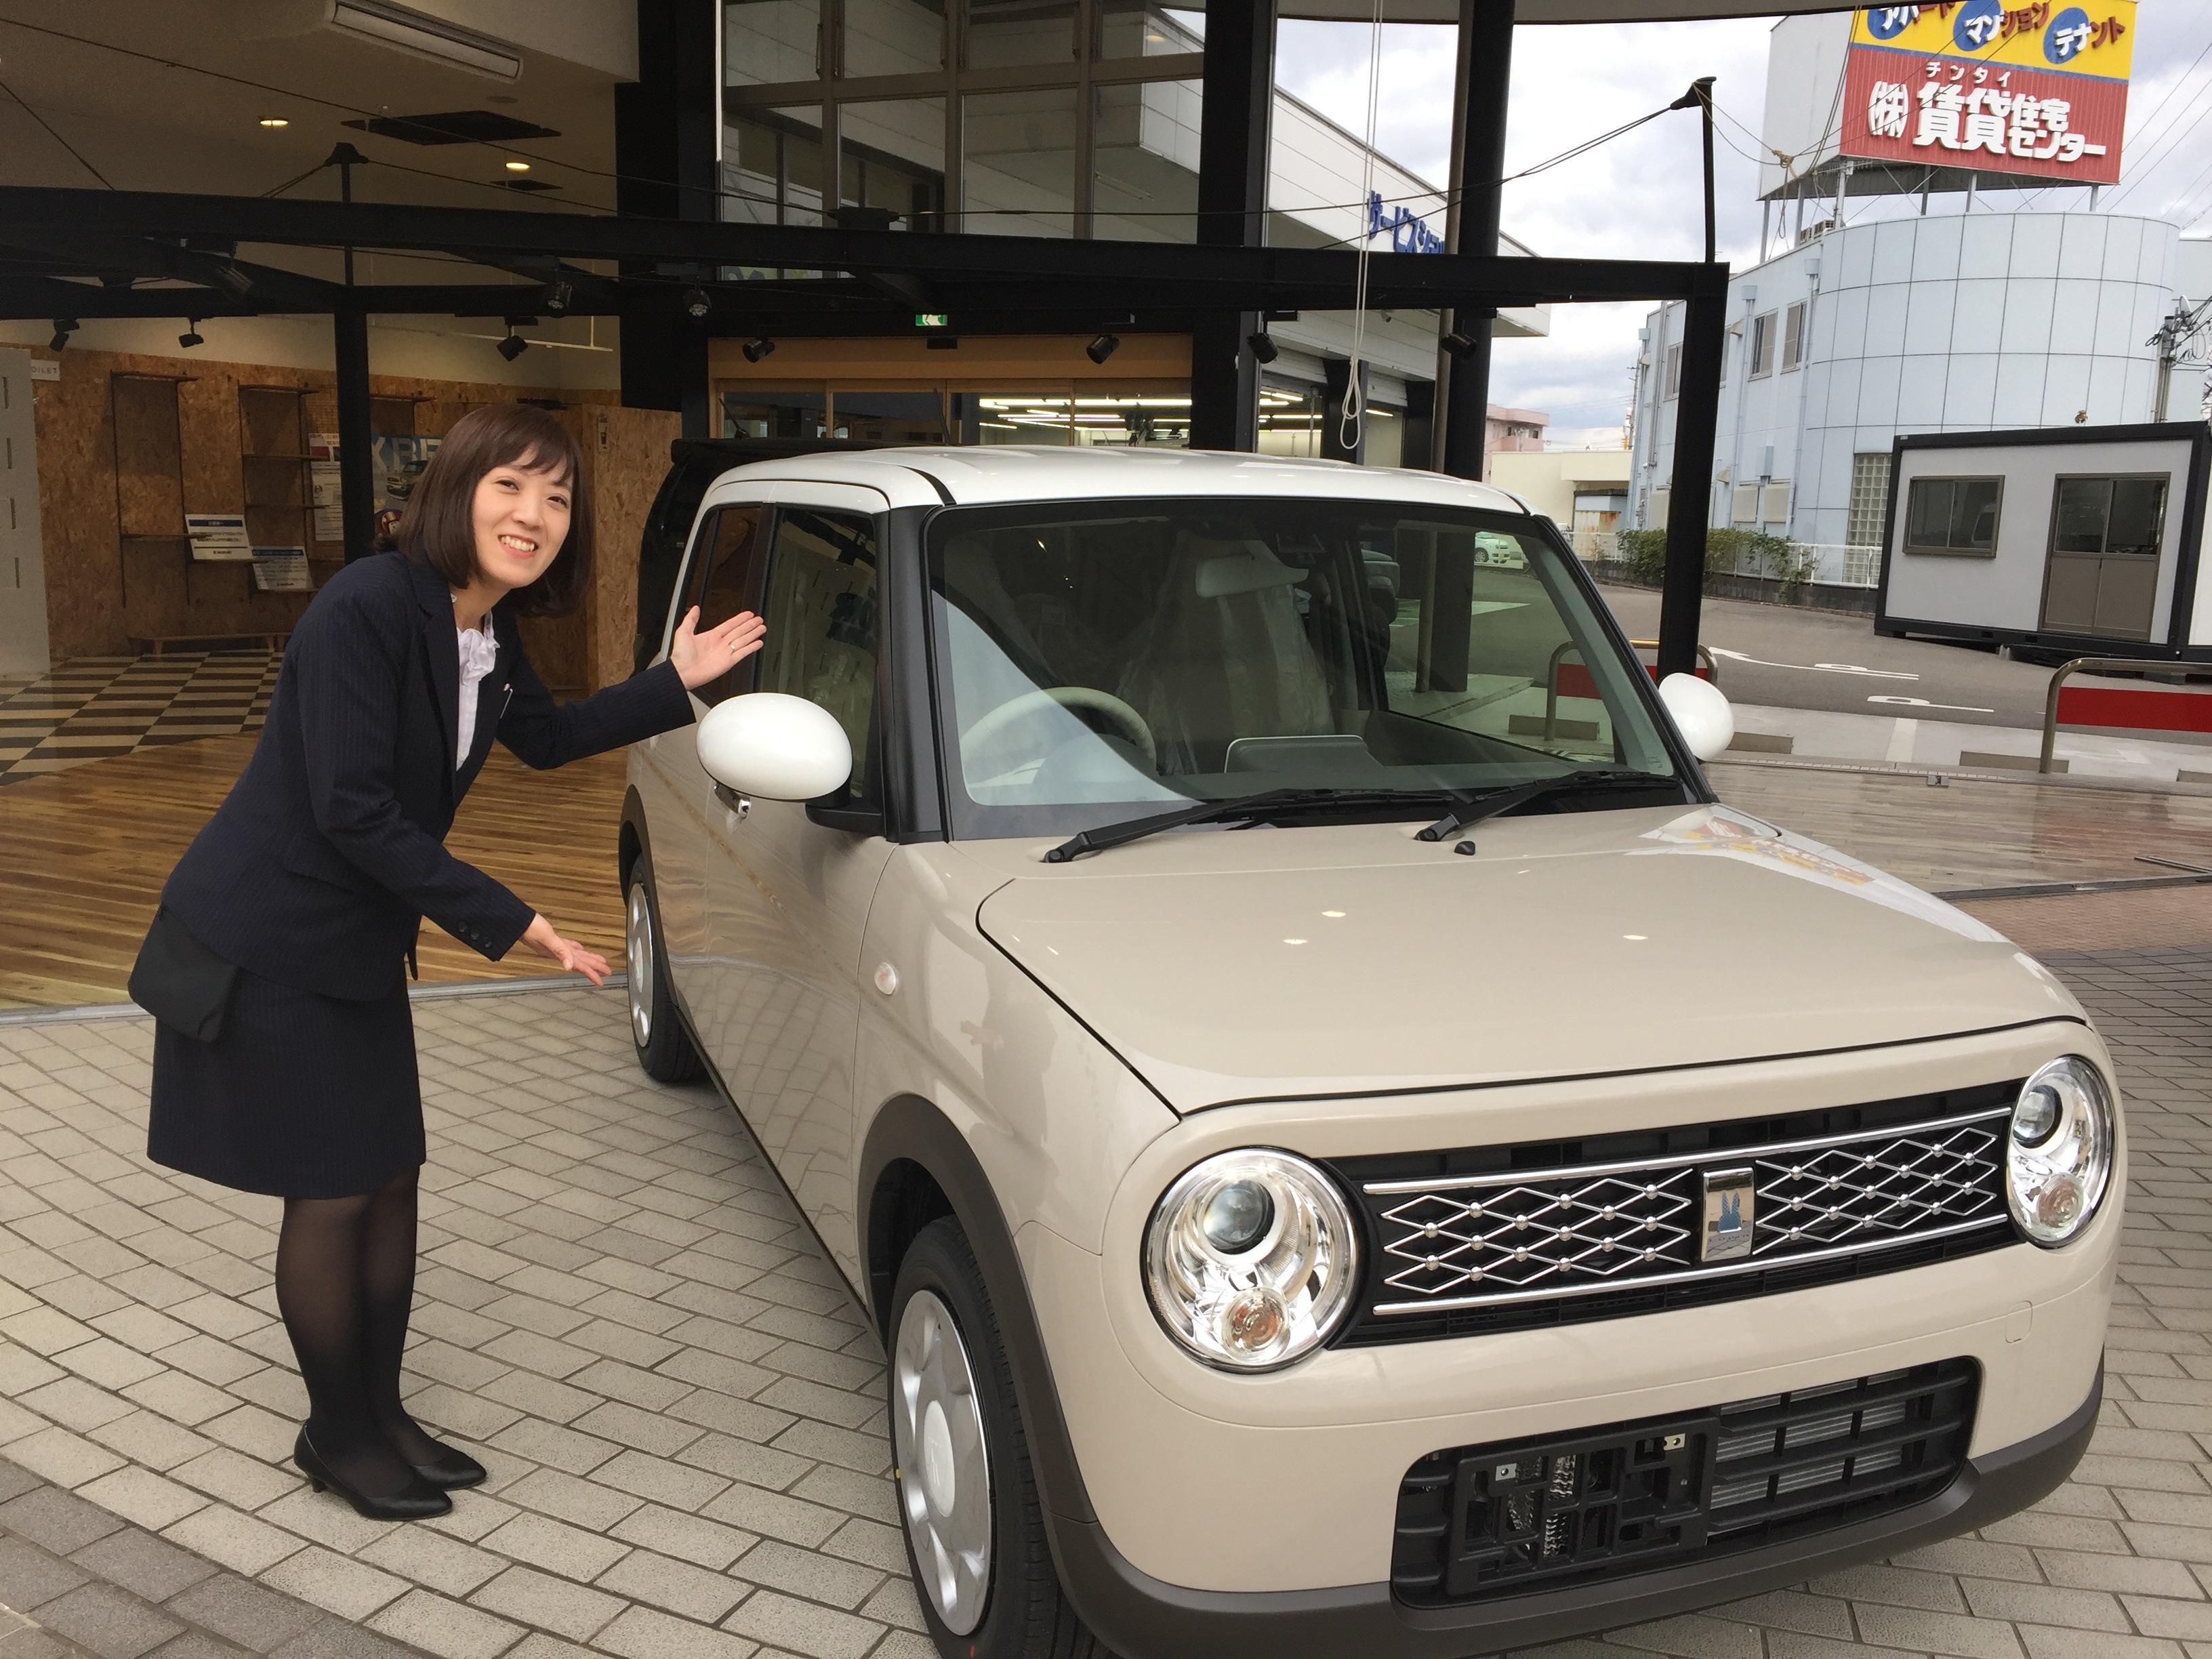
column 975, row 1530
column 664, row 1047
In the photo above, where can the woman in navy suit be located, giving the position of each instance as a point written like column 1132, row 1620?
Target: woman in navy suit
column 305, row 891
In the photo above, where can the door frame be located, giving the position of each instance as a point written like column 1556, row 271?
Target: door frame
column 2051, row 553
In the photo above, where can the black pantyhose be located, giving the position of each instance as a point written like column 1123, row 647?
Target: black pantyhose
column 345, row 1277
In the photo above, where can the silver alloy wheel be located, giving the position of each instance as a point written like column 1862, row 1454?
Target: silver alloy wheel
column 638, row 939
column 944, row 1472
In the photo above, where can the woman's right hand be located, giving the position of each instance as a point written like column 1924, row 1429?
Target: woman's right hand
column 573, row 957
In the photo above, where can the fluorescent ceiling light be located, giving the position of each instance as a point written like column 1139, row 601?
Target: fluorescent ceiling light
column 394, row 25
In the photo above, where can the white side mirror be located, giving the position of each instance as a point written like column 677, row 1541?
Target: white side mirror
column 776, row 747
column 1700, row 713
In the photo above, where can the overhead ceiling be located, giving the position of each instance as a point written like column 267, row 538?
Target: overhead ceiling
column 97, row 75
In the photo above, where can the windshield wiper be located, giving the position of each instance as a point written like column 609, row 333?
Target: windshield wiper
column 1473, row 809
column 1241, row 807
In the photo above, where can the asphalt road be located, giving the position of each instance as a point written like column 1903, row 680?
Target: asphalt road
column 1784, row 658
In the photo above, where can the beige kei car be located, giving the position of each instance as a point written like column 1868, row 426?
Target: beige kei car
column 1350, row 1148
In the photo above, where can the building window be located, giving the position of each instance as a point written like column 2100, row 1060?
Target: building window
column 1793, row 336
column 1955, row 516
column 2109, row 515
column 1762, row 346
column 1673, row 370
column 1021, row 117
column 1869, row 500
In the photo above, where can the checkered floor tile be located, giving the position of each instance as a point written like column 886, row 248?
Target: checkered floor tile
column 93, row 708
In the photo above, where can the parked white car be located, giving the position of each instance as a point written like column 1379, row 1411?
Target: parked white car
column 1351, row 1149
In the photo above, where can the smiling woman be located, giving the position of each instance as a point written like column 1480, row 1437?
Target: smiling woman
column 285, row 1057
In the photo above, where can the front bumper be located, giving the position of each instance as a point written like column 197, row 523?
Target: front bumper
column 1269, row 1501
column 1141, row 1616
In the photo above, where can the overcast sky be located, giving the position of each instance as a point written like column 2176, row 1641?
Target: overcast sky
column 1637, row 197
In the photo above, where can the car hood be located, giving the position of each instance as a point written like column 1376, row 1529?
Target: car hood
column 1349, row 959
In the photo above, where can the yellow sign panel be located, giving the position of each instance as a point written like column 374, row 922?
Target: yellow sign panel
column 2048, row 35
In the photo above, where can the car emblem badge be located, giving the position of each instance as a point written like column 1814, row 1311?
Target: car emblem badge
column 1729, row 1201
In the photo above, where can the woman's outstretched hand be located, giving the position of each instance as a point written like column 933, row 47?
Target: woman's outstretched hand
column 573, row 957
column 699, row 658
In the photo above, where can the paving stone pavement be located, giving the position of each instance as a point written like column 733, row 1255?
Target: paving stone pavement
column 620, row 1309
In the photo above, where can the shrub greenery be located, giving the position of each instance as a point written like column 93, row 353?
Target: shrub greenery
column 1727, row 552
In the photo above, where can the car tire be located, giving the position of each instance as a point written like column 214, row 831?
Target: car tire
column 961, row 1473
column 665, row 1048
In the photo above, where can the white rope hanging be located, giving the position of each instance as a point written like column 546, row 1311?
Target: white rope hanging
column 1352, row 414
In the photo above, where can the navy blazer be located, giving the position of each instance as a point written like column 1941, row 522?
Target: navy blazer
column 318, row 868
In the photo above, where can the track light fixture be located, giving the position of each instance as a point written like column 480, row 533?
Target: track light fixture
column 1264, row 350
column 233, row 279
column 191, row 337
column 64, row 327
column 696, row 302
column 512, row 347
column 757, row 348
column 558, row 292
column 1458, row 344
column 1103, row 348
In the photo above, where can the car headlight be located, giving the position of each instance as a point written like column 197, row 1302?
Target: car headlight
column 1250, row 1259
column 2058, row 1154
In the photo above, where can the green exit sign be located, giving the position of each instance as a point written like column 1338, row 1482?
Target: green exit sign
column 933, row 320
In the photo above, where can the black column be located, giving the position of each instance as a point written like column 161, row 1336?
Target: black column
column 1232, row 204
column 666, row 126
column 1486, row 72
column 1332, row 447
column 1690, row 499
column 356, row 466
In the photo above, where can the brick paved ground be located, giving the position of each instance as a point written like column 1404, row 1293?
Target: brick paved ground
column 680, row 1403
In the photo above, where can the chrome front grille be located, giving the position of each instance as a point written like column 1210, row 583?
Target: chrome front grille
column 1835, row 1191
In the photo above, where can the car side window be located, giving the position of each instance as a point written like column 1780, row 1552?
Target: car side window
column 820, row 608
column 720, row 583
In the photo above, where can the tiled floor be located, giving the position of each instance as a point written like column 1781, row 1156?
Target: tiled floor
column 680, row 1404
column 97, row 707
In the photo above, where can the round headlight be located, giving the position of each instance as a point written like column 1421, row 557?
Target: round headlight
column 1250, row 1259
column 2059, row 1156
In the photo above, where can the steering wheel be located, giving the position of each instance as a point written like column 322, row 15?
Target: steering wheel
column 1030, row 704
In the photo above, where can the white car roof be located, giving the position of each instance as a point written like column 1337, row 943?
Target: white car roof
column 929, row 476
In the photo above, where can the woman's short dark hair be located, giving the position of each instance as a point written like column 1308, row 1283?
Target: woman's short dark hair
column 438, row 526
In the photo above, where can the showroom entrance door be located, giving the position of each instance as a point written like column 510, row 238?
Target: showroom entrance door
column 937, row 387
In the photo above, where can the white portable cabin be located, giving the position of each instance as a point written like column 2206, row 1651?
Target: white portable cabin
column 2084, row 539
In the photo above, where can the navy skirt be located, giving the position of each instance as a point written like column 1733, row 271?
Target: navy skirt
column 302, row 1097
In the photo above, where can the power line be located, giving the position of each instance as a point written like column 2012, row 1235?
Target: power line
column 2145, row 137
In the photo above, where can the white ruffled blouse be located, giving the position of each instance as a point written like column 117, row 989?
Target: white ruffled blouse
column 479, row 651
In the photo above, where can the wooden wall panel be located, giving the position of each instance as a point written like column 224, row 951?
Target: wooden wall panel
column 78, row 489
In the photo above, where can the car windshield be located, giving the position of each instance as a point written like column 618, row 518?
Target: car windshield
column 1099, row 660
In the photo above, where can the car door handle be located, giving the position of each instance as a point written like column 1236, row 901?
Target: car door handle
column 740, row 805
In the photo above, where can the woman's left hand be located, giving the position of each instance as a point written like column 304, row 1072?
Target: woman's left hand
column 699, row 658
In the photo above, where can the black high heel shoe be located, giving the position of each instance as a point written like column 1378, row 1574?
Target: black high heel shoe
column 414, row 1501
column 451, row 1469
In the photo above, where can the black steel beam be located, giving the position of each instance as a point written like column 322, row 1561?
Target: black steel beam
column 356, row 468
column 1270, row 277
column 1486, row 66
column 667, row 123
column 1234, row 123
column 1689, row 501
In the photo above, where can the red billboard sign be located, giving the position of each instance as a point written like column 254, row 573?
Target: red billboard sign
column 2035, row 90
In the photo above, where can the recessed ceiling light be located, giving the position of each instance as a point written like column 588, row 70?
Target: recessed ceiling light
column 275, row 121
column 517, row 166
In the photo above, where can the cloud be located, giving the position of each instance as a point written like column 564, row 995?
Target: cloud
column 1641, row 196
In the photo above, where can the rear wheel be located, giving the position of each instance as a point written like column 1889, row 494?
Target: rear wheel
column 974, row 1529
column 664, row 1047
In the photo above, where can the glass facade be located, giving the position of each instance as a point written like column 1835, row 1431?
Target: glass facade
column 1059, row 117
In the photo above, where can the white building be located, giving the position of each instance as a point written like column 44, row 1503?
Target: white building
column 1954, row 323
